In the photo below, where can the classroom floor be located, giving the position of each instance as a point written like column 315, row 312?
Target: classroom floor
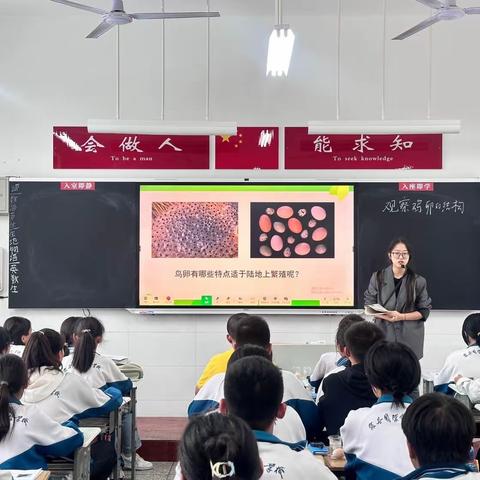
column 161, row 471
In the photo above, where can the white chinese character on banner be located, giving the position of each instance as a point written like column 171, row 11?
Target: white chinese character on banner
column 168, row 143
column 130, row 145
column 361, row 144
column 400, row 144
column 322, row 144
column 91, row 145
column 265, row 138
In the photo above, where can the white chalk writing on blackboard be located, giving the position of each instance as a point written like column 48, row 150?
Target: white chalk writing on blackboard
column 426, row 207
column 13, row 245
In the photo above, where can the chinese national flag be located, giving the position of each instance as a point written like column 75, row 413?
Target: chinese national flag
column 250, row 148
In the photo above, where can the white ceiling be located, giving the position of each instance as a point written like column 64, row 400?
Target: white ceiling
column 230, row 7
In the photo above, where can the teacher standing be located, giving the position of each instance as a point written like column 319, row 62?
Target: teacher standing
column 404, row 293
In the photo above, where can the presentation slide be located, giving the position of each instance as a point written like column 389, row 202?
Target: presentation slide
column 246, row 245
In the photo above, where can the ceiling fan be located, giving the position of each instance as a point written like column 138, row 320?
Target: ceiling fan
column 446, row 10
column 118, row 16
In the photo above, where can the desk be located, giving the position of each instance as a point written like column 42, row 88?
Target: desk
column 337, row 467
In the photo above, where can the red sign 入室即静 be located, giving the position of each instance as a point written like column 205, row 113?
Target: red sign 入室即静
column 362, row 151
column 75, row 147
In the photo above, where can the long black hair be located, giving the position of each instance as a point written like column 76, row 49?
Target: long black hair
column 87, row 330
column 17, row 327
column 393, row 368
column 410, row 275
column 13, row 379
column 4, row 341
column 471, row 328
column 42, row 350
column 222, row 444
column 67, row 329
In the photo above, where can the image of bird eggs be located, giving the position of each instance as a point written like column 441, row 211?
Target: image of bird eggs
column 292, row 230
column 194, row 229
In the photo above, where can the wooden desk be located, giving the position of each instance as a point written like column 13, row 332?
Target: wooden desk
column 44, row 475
column 337, row 467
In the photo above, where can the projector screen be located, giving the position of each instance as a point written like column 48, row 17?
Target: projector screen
column 246, row 245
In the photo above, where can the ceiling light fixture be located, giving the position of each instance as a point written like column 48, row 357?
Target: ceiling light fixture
column 280, row 46
column 159, row 127
column 386, row 127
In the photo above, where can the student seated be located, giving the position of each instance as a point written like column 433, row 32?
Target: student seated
column 373, row 440
column 218, row 363
column 63, row 396
column 4, row 341
column 439, row 431
column 27, row 435
column 333, row 362
column 253, row 392
column 19, row 330
column 218, row 446
column 348, row 390
column 67, row 328
column 464, row 361
column 101, row 372
column 253, row 330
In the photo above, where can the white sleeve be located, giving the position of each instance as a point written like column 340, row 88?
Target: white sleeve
column 447, row 372
column 348, row 431
column 467, row 386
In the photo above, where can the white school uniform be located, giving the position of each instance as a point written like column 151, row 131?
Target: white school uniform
column 467, row 386
column 374, row 443
column 65, row 396
column 102, row 374
column 34, row 437
column 17, row 350
column 465, row 361
column 282, row 461
column 326, row 363
column 289, row 428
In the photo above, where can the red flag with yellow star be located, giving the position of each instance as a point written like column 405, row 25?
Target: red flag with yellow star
column 251, row 148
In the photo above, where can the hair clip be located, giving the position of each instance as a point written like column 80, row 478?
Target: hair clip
column 222, row 469
column 86, row 330
column 3, row 382
column 43, row 333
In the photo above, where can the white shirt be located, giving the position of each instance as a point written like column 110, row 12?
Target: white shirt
column 280, row 462
column 65, row 396
column 35, row 436
column 465, row 362
column 374, row 443
column 17, row 350
column 326, row 363
column 102, row 374
column 290, row 428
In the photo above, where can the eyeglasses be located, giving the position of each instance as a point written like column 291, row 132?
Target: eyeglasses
column 400, row 254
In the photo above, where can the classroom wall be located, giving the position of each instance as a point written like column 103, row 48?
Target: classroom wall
column 50, row 75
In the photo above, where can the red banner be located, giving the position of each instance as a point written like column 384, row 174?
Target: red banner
column 251, row 148
column 74, row 147
column 402, row 151
column 416, row 186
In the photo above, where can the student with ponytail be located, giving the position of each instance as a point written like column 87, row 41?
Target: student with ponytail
column 101, row 372
column 61, row 395
column 27, row 435
column 67, row 329
column 218, row 447
column 373, row 440
column 465, row 361
column 19, row 330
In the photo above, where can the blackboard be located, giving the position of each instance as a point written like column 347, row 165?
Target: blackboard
column 443, row 227
column 73, row 248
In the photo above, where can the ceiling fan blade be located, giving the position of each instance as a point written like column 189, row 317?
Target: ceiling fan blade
column 431, row 3
column 104, row 27
column 88, row 8
column 418, row 28
column 163, row 15
column 472, row 10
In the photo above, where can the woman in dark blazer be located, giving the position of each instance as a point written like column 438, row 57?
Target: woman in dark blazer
column 404, row 293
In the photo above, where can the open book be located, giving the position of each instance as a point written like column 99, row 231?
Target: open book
column 375, row 309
